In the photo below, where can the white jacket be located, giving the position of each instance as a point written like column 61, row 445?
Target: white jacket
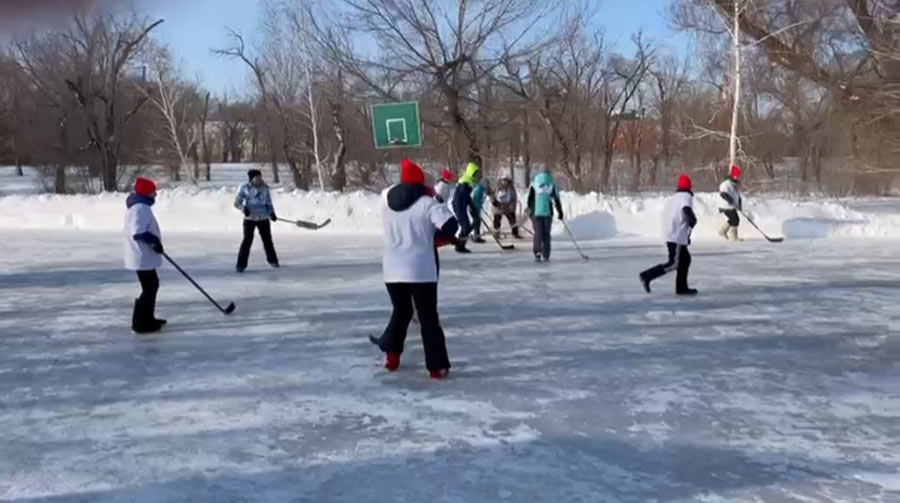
column 409, row 238
column 138, row 255
column 732, row 189
column 677, row 226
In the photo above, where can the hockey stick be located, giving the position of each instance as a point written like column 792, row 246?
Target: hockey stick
column 501, row 244
column 572, row 237
column 769, row 239
column 306, row 225
column 228, row 310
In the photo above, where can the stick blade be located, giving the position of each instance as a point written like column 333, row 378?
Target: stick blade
column 775, row 240
column 229, row 309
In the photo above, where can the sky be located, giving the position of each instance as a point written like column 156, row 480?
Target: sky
column 193, row 27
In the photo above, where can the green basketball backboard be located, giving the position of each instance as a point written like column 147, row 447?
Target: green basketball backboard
column 396, row 125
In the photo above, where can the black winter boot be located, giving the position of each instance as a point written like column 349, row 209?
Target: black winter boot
column 142, row 321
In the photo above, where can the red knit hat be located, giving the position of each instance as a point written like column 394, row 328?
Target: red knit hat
column 735, row 172
column 410, row 173
column 447, row 175
column 144, row 187
column 684, row 182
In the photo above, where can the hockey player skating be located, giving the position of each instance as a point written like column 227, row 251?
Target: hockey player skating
column 542, row 195
column 255, row 201
column 504, row 203
column 143, row 254
column 414, row 221
column 731, row 204
column 679, row 221
column 444, row 188
column 462, row 204
column 479, row 195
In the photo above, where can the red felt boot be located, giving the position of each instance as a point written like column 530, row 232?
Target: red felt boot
column 392, row 361
column 439, row 374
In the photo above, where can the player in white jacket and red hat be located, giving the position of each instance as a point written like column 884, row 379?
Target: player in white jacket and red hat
column 413, row 219
column 730, row 204
column 678, row 224
column 143, row 253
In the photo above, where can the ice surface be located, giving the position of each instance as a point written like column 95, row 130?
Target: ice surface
column 780, row 382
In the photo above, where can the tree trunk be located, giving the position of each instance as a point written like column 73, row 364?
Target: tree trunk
column 299, row 183
column 60, row 185
column 195, row 156
column 526, row 146
column 226, row 144
column 607, row 169
column 204, row 139
column 736, row 98
column 109, row 167
column 636, row 169
column 651, row 179
column 59, row 179
column 17, row 159
column 338, row 170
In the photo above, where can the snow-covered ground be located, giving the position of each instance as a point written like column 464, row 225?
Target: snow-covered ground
column 208, row 208
column 780, row 382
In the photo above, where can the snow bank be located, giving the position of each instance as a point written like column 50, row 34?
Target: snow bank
column 594, row 216
column 591, row 216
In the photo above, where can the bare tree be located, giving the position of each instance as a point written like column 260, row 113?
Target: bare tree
column 450, row 46
column 239, row 51
column 204, row 139
column 670, row 78
column 838, row 45
column 178, row 105
column 621, row 82
column 43, row 60
column 104, row 47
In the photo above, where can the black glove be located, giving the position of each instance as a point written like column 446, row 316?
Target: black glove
column 561, row 217
column 246, row 211
column 157, row 247
column 272, row 217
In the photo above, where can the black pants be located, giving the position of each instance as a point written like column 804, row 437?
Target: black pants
column 542, row 227
column 265, row 233
column 424, row 296
column 465, row 226
column 732, row 215
column 145, row 306
column 680, row 260
column 511, row 217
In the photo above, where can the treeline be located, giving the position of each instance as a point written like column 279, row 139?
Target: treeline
column 506, row 83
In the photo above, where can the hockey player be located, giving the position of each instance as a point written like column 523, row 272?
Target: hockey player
column 255, row 201
column 143, row 254
column 730, row 204
column 444, row 188
column 678, row 224
column 413, row 220
column 479, row 194
column 541, row 196
column 504, row 203
column 462, row 204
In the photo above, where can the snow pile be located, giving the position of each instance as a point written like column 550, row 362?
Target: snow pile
column 190, row 210
column 591, row 216
column 642, row 216
column 593, row 225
